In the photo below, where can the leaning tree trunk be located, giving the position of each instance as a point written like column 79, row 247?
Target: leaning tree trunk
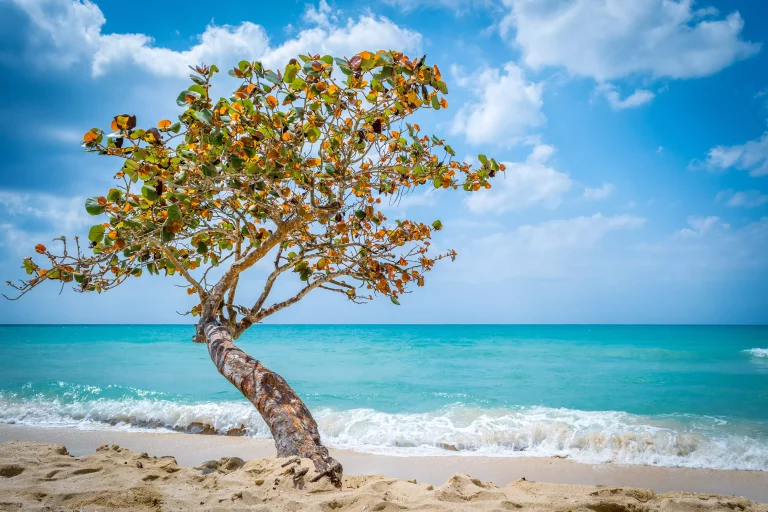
column 293, row 428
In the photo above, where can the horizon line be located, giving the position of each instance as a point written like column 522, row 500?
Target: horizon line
column 552, row 324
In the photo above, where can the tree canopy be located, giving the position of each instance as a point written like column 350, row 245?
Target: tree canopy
column 294, row 166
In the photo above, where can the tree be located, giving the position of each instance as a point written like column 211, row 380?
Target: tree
column 292, row 168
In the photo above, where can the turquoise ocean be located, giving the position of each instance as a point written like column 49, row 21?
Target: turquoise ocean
column 691, row 396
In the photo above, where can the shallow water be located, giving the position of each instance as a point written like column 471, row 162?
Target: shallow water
column 692, row 396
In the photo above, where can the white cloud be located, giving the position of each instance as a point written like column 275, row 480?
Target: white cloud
column 745, row 198
column 556, row 248
column 609, row 39
column 610, row 92
column 532, row 182
column 751, row 156
column 579, row 232
column 70, row 31
column 67, row 213
column 66, row 31
column 459, row 7
column 700, row 226
column 506, row 105
column 65, row 135
column 32, row 218
column 710, row 249
column 322, row 15
column 367, row 32
column 596, row 194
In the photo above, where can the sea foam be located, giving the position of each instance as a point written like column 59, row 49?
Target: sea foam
column 585, row 436
column 757, row 352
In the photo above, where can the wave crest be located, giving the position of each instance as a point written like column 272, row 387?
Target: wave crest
column 757, row 352
column 585, row 436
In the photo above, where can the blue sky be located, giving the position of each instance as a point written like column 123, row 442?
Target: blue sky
column 634, row 133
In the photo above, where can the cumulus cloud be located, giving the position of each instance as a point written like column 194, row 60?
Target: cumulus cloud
column 743, row 198
column 505, row 105
column 70, row 31
column 609, row 39
column 611, row 93
column 752, row 156
column 533, row 182
column 598, row 193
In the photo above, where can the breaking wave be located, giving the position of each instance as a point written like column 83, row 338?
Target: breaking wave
column 585, row 436
column 757, row 352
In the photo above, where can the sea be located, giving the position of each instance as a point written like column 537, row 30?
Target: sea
column 684, row 396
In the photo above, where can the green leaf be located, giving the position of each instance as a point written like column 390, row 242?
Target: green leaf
column 174, row 212
column 271, row 76
column 243, row 65
column 360, row 214
column 167, row 236
column 93, row 207
column 199, row 89
column 343, row 66
column 394, row 301
column 149, row 193
column 202, row 248
column 204, row 115
column 437, row 225
column 290, row 72
column 483, row 159
column 181, row 100
column 114, row 195
column 298, row 83
column 313, row 134
column 96, row 233
column 29, row 266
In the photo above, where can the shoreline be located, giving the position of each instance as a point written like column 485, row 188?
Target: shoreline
column 193, row 449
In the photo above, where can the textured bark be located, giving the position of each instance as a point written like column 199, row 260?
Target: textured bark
column 293, row 428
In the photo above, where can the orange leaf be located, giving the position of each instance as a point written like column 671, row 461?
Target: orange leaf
column 365, row 55
column 286, row 136
column 40, row 249
column 90, row 136
column 271, row 101
column 165, row 123
column 113, row 125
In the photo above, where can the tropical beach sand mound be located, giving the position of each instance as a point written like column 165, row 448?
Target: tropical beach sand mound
column 43, row 476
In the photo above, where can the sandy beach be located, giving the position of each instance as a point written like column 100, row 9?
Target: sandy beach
column 68, row 469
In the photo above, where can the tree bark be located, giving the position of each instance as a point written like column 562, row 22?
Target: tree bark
column 293, row 428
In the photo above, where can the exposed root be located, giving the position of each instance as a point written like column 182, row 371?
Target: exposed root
column 327, row 466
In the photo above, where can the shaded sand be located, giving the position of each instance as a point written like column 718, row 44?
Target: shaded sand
column 44, row 476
